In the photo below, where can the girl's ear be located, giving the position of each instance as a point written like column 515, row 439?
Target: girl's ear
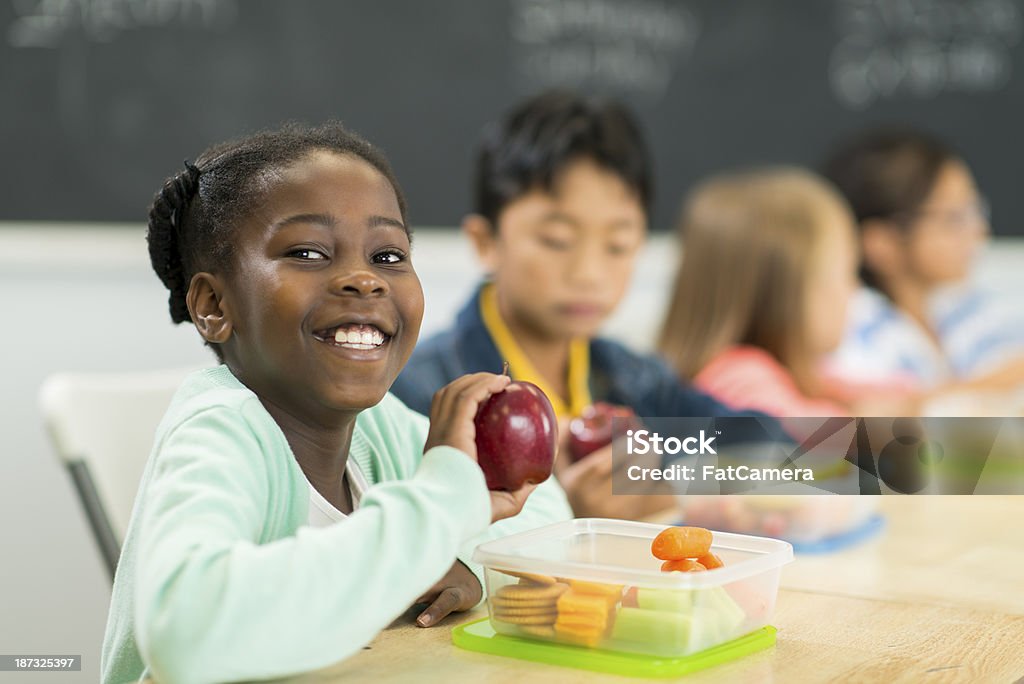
column 205, row 299
column 484, row 237
column 882, row 244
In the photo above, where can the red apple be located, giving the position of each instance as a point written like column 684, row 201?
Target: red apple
column 516, row 433
column 594, row 428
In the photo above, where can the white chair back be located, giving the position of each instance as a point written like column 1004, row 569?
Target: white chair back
column 102, row 426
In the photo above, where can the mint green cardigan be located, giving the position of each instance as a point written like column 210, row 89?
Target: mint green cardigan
column 219, row 580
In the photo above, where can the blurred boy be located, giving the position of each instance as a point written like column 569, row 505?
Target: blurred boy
column 562, row 192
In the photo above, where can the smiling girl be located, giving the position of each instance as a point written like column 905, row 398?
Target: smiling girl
column 291, row 507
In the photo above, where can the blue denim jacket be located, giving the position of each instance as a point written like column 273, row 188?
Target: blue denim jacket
column 617, row 375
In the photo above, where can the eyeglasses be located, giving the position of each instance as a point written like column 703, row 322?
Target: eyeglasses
column 955, row 219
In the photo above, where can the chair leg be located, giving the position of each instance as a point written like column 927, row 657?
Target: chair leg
column 110, row 547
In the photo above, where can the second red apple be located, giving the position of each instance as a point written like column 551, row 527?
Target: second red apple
column 594, row 428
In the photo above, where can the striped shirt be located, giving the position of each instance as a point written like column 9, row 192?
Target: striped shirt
column 975, row 332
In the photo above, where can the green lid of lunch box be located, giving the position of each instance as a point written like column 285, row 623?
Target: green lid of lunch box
column 480, row 636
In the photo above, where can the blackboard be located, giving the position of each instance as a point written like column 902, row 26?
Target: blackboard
column 101, row 99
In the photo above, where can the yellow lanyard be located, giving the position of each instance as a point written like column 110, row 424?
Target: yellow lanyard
column 521, row 368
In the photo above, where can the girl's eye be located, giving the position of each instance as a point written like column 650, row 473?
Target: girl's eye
column 619, row 250
column 389, row 256
column 307, row 254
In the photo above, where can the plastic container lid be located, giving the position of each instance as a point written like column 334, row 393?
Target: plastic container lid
column 618, row 552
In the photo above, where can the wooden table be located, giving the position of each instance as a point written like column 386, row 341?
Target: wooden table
column 938, row 597
column 821, row 638
column 959, row 551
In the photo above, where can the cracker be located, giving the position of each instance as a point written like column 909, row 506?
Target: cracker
column 548, row 619
column 531, row 591
column 524, row 609
column 546, row 631
column 530, row 577
column 505, row 601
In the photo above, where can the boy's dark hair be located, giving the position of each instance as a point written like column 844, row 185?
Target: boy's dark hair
column 534, row 142
column 887, row 174
column 194, row 217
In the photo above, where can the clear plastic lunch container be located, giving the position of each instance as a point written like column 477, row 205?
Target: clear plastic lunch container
column 594, row 583
column 798, row 518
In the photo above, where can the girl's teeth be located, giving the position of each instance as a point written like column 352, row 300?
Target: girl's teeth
column 359, row 336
